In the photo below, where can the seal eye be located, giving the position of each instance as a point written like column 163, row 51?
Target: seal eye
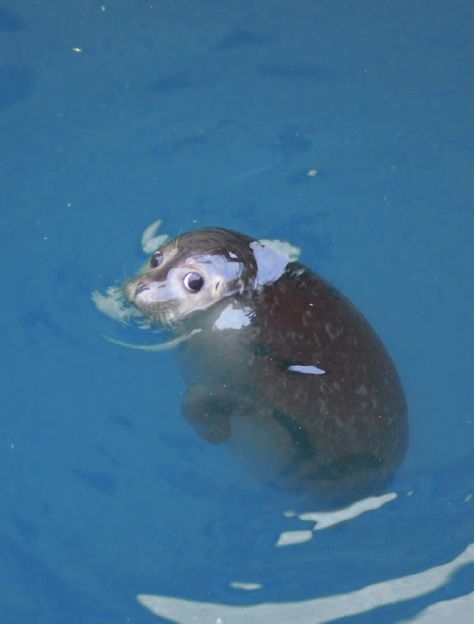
column 193, row 282
column 156, row 259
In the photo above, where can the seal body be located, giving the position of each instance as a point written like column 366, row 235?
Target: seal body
column 279, row 364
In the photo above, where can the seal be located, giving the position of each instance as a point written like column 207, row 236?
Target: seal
column 279, row 365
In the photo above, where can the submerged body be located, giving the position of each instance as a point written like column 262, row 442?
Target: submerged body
column 279, row 365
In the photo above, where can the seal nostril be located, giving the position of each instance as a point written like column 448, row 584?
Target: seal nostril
column 140, row 288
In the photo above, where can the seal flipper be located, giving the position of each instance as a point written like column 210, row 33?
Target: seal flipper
column 208, row 414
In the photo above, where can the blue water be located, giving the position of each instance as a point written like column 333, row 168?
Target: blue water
column 115, row 114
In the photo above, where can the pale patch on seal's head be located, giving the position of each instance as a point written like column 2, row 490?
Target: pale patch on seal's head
column 272, row 258
column 191, row 273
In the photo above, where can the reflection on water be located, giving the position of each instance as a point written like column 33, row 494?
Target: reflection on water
column 329, row 608
column 326, row 519
column 245, row 586
column 458, row 610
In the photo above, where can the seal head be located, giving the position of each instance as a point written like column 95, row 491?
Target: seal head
column 190, row 274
